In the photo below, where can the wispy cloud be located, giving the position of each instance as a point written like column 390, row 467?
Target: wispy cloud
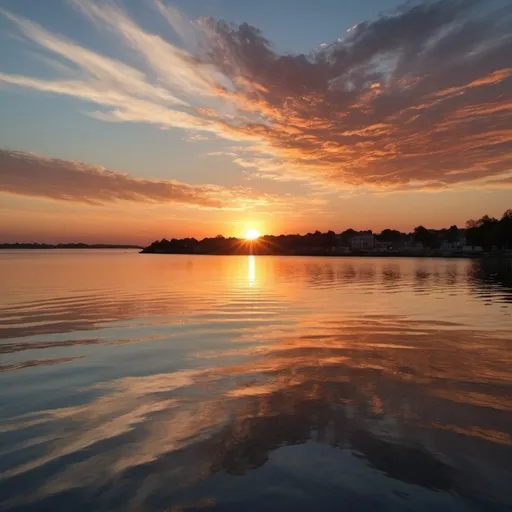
column 417, row 99
column 51, row 178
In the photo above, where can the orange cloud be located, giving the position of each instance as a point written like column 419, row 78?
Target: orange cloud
column 414, row 98
column 494, row 78
column 51, row 178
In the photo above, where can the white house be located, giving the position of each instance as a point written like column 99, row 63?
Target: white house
column 451, row 246
column 364, row 242
column 458, row 245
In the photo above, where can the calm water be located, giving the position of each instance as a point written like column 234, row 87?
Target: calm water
column 169, row 383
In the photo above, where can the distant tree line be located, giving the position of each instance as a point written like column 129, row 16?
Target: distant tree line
column 66, row 246
column 487, row 232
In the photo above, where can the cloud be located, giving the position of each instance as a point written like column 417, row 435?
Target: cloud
column 416, row 99
column 51, row 178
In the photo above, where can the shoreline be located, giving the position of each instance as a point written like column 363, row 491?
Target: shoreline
column 52, row 248
column 349, row 255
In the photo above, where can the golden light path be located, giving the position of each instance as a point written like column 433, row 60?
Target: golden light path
column 252, row 270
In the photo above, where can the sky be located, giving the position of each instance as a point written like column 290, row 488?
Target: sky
column 130, row 121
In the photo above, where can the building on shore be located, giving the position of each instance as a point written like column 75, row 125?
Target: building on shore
column 340, row 249
column 472, row 249
column 454, row 245
column 383, row 246
column 362, row 242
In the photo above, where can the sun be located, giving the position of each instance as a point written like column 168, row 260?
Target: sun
column 252, row 234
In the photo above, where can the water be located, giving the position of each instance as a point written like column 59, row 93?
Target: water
column 168, row 383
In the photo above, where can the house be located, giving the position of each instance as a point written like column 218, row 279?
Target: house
column 472, row 248
column 382, row 246
column 363, row 242
column 413, row 246
column 457, row 245
column 451, row 246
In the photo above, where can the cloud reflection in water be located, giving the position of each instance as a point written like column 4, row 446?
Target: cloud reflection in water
column 277, row 385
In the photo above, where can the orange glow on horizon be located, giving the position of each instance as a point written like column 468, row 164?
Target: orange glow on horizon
column 252, row 234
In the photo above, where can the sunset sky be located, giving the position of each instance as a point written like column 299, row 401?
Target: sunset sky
column 129, row 121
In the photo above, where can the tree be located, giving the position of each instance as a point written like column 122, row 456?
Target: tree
column 507, row 216
column 484, row 232
column 422, row 236
column 452, row 234
column 390, row 235
column 347, row 235
column 330, row 238
column 506, row 230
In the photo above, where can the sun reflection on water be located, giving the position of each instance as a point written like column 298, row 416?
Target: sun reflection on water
column 221, row 374
column 251, row 275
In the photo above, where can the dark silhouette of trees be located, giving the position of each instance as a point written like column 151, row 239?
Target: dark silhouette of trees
column 505, row 237
column 390, row 235
column 452, row 234
column 422, row 235
column 487, row 232
column 347, row 235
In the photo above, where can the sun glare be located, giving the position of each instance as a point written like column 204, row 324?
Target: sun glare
column 252, row 234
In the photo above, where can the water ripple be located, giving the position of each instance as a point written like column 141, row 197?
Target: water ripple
column 140, row 383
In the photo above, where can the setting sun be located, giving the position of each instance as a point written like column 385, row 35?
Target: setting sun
column 252, row 234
